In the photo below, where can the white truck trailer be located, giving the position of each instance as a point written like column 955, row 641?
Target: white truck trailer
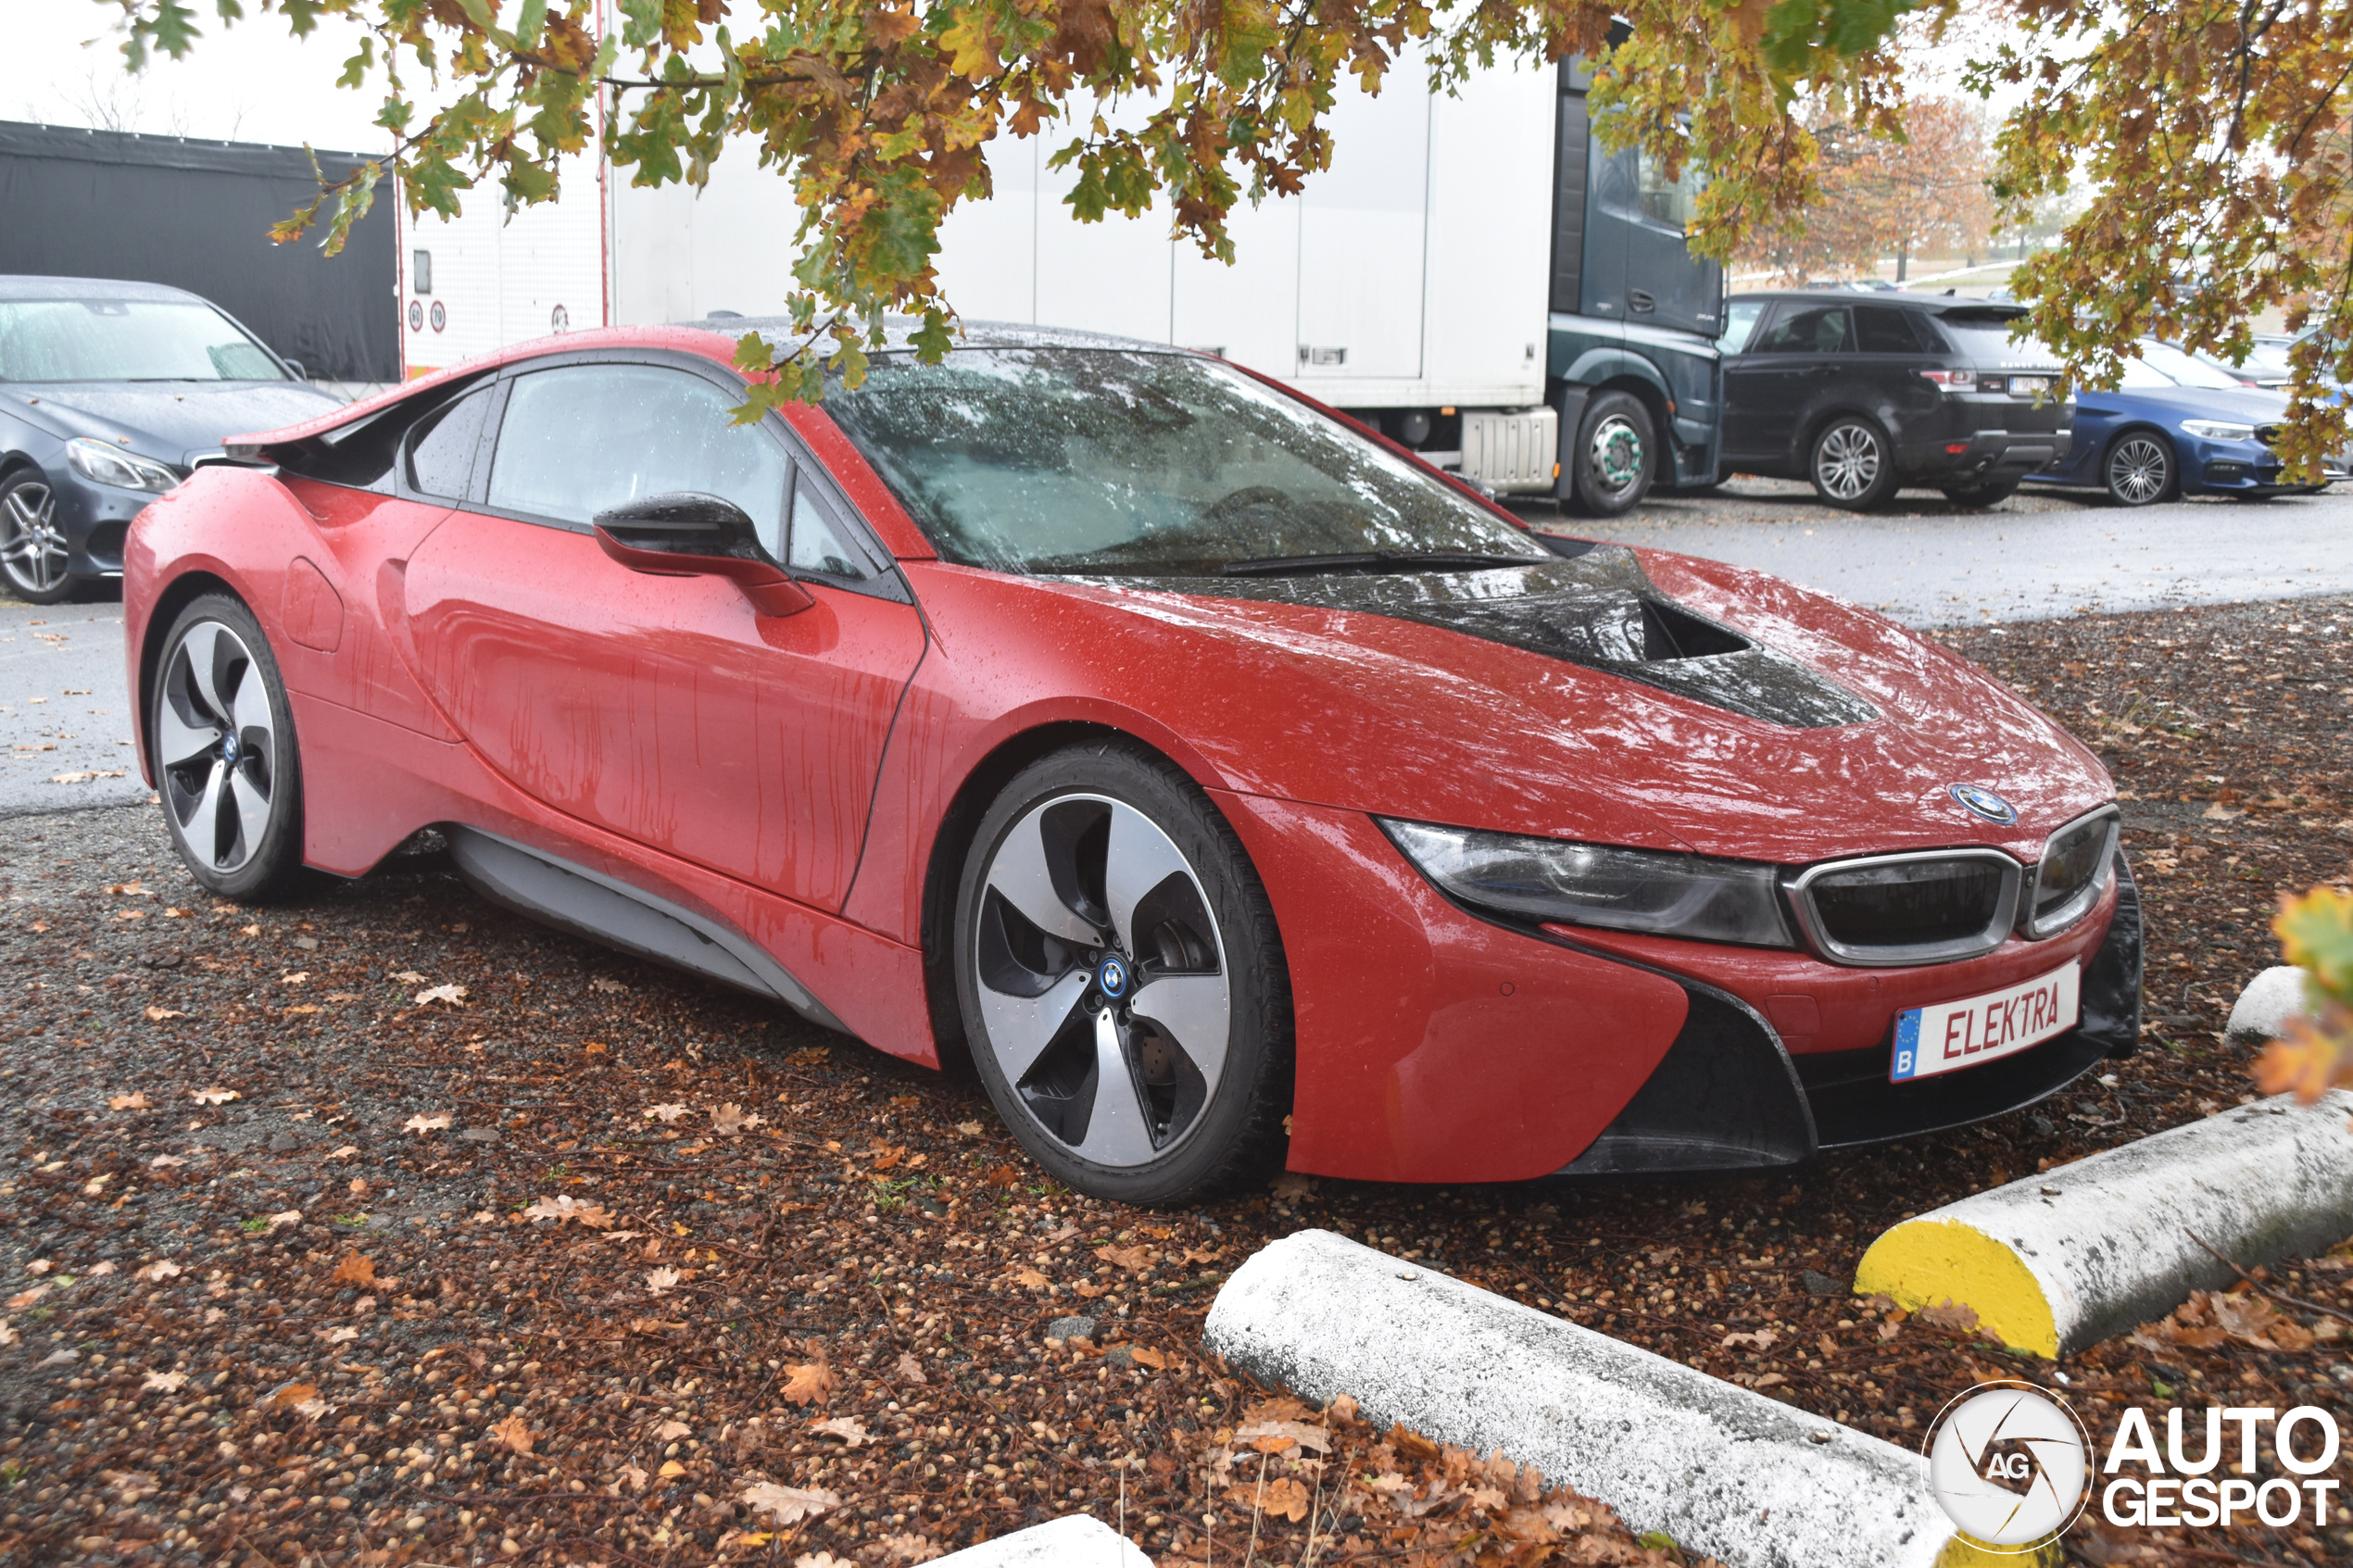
column 1434, row 280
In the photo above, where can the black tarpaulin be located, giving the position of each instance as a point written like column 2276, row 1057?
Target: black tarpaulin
column 197, row 215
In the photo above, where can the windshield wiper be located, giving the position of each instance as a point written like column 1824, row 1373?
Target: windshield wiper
column 1371, row 560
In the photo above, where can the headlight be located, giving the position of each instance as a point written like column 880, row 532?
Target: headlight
column 111, row 465
column 2218, row 430
column 1644, row 890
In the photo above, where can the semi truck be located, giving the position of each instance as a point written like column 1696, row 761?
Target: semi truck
column 1474, row 276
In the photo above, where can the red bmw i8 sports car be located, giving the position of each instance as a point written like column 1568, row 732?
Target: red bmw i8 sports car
column 1226, row 783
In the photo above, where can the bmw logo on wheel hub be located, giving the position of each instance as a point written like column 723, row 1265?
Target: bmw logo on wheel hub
column 1110, row 977
column 228, row 748
column 1980, row 801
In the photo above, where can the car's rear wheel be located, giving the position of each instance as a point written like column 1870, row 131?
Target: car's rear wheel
column 2139, row 471
column 1851, row 465
column 1120, row 979
column 1986, row 492
column 1615, row 456
column 223, row 749
column 32, row 543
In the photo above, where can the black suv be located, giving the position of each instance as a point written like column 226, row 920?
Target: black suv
column 1864, row 396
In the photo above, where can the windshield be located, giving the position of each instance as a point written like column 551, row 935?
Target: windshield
column 2175, row 368
column 1097, row 461
column 44, row 340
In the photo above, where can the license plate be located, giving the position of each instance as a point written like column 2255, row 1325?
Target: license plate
column 1955, row 1034
column 2030, row 385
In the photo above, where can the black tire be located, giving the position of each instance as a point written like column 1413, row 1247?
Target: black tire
column 233, row 804
column 1852, row 463
column 1615, row 456
column 2139, row 469
column 1986, row 492
column 32, row 547
column 1042, row 981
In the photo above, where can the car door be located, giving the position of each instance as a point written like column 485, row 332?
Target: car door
column 1771, row 388
column 1884, row 373
column 665, row 708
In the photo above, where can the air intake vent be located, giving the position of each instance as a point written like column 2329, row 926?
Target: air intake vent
column 1896, row 910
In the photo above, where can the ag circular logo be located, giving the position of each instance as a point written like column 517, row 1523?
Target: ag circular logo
column 1980, row 801
column 1110, row 977
column 2009, row 1464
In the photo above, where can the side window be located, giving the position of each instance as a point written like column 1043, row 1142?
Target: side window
column 1740, row 320
column 442, row 447
column 819, row 543
column 1805, row 329
column 1671, row 203
column 1884, row 329
column 581, row 439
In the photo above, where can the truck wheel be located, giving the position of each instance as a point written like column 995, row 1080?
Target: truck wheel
column 1851, row 465
column 1612, row 461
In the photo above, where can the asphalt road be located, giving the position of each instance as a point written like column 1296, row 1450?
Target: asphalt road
column 65, row 716
column 2040, row 554
column 65, row 725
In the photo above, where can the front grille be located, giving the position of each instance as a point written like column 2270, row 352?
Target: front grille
column 1892, row 909
column 2073, row 872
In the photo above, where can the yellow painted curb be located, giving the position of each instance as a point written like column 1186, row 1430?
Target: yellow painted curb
column 1927, row 1263
column 1963, row 1552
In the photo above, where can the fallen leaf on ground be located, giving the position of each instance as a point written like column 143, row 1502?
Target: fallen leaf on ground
column 787, row 1505
column 909, row 1368
column 290, row 1396
column 595, row 1216
column 345, row 1152
column 609, row 987
column 99, row 1271
column 1290, row 1184
column 665, row 1113
column 24, row 1299
column 849, row 1428
column 165, row 1162
column 355, row 1269
column 1949, row 1315
column 1144, row 1355
column 970, row 1130
column 911, row 1549
column 168, row 1382
column 1273, row 1436
column 342, row 1336
column 807, row 1382
column 513, row 1433
column 410, row 977
column 453, row 995
column 162, row 1268
column 439, row 1121
column 1135, row 1259
column 633, row 1477
column 660, row 1280
column 671, row 1431
column 730, row 1120
column 1031, row 1278
column 1764, row 1339
column 213, row 1096
column 285, row 1217
column 130, row 1101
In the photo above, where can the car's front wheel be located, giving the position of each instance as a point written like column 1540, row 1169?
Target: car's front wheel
column 1851, row 465
column 223, row 749
column 2139, row 471
column 1120, row 979
column 32, row 543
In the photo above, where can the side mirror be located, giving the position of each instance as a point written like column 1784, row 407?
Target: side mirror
column 689, row 534
column 300, row 374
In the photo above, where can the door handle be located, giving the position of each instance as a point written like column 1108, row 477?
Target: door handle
column 1636, row 299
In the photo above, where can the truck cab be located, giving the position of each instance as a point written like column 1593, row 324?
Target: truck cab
column 1632, row 365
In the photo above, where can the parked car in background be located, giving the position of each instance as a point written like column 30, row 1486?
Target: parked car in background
column 2175, row 425
column 1865, row 398
column 2266, row 363
column 109, row 393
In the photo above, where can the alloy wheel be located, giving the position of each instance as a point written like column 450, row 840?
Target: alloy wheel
column 217, row 746
column 1614, row 456
column 1848, row 462
column 32, row 547
column 2139, row 471
column 1102, row 980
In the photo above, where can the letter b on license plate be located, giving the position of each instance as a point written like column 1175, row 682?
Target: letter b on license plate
column 1955, row 1034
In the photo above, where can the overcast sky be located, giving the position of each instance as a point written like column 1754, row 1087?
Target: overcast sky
column 250, row 82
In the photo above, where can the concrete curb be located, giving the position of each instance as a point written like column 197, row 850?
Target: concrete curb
column 1720, row 1469
column 2264, row 1007
column 1076, row 1541
column 2062, row 1261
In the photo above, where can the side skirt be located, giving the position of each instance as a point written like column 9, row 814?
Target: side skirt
column 589, row 904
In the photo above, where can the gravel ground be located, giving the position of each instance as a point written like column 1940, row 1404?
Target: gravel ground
column 585, row 1261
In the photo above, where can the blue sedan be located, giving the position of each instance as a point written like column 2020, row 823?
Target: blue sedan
column 2177, row 426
